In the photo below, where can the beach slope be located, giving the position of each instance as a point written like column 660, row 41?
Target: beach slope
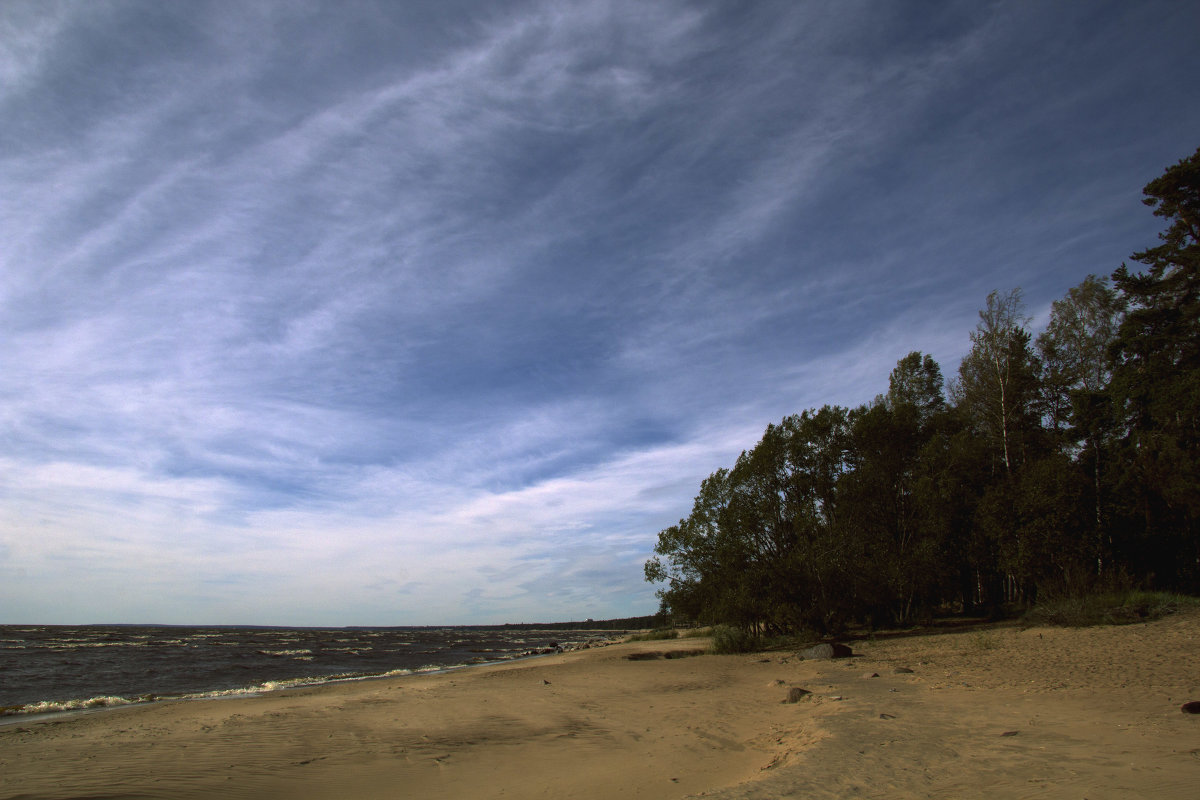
column 996, row 712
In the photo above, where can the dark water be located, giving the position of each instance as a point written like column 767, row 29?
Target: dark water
column 59, row 668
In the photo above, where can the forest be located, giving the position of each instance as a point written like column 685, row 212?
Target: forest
column 1045, row 466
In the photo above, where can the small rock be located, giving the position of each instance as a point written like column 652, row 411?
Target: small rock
column 1010, row 733
column 871, row 675
column 796, row 694
column 1191, row 708
column 545, row 682
column 902, row 671
column 887, row 716
column 826, row 651
column 817, row 652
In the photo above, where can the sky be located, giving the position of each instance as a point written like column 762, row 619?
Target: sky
column 403, row 313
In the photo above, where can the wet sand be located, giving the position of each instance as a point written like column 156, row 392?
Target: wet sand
column 1000, row 712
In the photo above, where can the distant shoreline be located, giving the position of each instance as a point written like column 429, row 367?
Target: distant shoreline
column 628, row 623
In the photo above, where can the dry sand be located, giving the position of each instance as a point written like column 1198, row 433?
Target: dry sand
column 1001, row 712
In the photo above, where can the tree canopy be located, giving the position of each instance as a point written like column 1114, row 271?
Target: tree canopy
column 1051, row 465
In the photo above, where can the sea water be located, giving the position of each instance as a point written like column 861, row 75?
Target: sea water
column 61, row 668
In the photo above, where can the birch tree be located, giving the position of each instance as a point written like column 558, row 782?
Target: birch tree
column 997, row 378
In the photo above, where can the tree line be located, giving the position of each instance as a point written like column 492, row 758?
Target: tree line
column 1047, row 465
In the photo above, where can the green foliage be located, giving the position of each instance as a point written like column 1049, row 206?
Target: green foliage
column 727, row 640
column 1067, row 463
column 655, row 635
column 1074, row 349
column 997, row 381
column 1113, row 608
column 696, row 633
column 916, row 382
column 1155, row 387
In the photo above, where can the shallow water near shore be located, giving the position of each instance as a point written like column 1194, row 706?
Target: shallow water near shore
column 46, row 669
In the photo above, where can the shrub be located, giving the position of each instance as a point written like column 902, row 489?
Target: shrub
column 1112, row 608
column 727, row 639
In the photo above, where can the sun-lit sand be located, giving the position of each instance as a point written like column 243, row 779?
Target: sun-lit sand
column 1005, row 712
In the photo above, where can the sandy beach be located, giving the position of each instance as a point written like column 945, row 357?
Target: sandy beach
column 996, row 712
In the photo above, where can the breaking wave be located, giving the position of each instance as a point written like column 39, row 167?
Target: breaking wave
column 113, row 701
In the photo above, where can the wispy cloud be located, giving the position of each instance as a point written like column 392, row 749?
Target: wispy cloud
column 381, row 313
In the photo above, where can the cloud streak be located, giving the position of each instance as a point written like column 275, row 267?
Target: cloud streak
column 382, row 314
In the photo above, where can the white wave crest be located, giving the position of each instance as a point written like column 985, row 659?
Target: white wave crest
column 49, row 706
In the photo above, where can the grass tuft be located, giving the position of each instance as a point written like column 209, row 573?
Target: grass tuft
column 983, row 640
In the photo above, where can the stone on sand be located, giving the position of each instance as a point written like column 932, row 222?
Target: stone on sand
column 826, row 651
column 796, row 694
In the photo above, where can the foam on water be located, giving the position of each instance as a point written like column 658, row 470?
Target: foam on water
column 47, row 706
column 110, row 701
